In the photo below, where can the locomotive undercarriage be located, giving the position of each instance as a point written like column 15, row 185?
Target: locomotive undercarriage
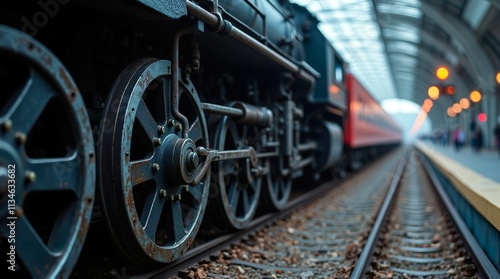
column 170, row 131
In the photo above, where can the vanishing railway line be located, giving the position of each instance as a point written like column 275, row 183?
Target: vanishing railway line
column 396, row 227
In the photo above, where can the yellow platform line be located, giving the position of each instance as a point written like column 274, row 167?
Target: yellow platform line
column 481, row 192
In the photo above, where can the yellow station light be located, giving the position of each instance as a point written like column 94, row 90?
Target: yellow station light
column 433, row 92
column 475, row 96
column 442, row 73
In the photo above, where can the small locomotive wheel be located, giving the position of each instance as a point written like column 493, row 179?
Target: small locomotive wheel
column 146, row 166
column 47, row 162
column 277, row 187
column 238, row 189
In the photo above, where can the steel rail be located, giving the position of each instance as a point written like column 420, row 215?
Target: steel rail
column 364, row 259
column 195, row 255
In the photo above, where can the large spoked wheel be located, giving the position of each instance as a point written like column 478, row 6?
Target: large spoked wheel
column 238, row 189
column 277, row 187
column 47, row 162
column 146, row 166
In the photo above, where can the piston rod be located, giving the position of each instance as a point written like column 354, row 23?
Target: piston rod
column 243, row 113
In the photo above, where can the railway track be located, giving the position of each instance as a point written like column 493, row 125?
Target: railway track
column 319, row 236
column 386, row 221
column 421, row 234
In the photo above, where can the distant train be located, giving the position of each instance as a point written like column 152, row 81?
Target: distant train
column 145, row 114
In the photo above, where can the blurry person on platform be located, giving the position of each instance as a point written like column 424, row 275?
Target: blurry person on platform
column 478, row 138
column 496, row 132
column 459, row 137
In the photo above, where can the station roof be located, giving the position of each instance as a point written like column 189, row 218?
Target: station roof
column 395, row 46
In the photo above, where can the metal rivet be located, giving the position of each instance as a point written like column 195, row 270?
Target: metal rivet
column 163, row 193
column 30, row 176
column 161, row 129
column 156, row 167
column 172, row 197
column 171, row 122
column 178, row 126
column 179, row 196
column 7, row 125
column 21, row 137
column 157, row 141
column 186, row 188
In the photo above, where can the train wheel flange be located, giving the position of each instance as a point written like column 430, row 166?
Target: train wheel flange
column 46, row 143
column 146, row 166
column 237, row 187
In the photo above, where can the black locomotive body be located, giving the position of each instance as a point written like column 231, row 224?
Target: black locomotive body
column 155, row 117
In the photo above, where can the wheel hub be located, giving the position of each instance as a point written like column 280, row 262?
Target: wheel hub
column 180, row 158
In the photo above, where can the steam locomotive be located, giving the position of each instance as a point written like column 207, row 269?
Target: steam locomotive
column 155, row 116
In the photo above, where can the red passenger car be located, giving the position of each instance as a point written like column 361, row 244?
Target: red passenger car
column 367, row 125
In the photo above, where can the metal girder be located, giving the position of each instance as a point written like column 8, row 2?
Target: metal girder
column 430, row 58
column 480, row 63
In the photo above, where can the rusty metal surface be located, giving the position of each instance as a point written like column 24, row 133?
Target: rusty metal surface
column 41, row 173
column 147, row 165
column 238, row 188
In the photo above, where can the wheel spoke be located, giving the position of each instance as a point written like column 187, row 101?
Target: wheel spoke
column 176, row 227
column 55, row 174
column 244, row 132
column 141, row 171
column 233, row 197
column 150, row 217
column 146, row 119
column 281, row 188
column 32, row 100
column 235, row 135
column 195, row 132
column 246, row 202
column 197, row 193
column 62, row 227
column 32, row 251
column 229, row 168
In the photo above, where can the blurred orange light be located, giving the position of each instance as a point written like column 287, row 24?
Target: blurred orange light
column 464, row 103
column 426, row 108
column 451, row 113
column 457, row 108
column 428, row 103
column 433, row 92
column 475, row 96
column 442, row 73
column 498, row 77
column 334, row 89
column 482, row 117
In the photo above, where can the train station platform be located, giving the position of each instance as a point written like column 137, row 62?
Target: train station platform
column 485, row 163
column 472, row 181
